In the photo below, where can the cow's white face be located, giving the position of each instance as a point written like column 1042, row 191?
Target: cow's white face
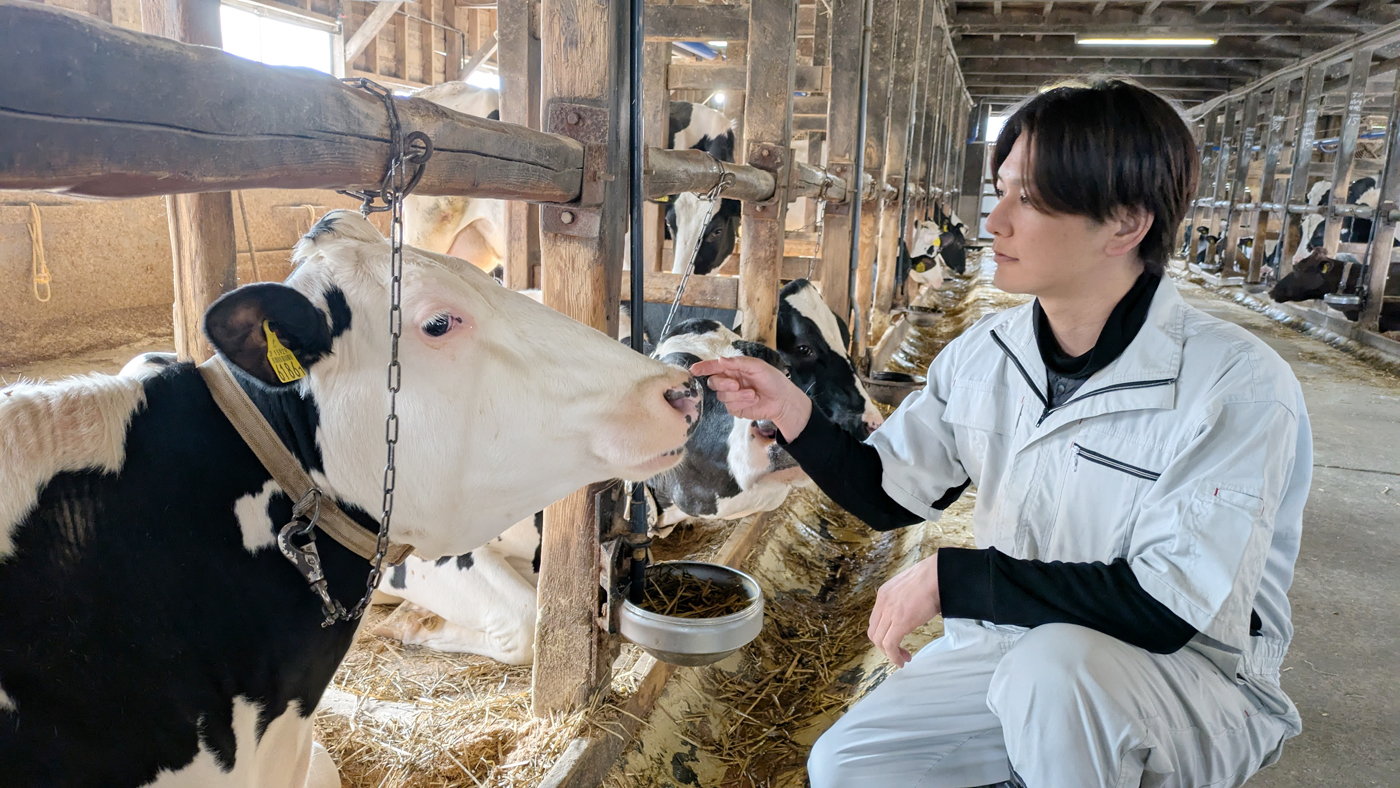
column 925, row 239
column 506, row 405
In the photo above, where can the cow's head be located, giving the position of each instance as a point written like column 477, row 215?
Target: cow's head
column 1313, row 277
column 747, row 450
column 812, row 340
column 684, row 214
column 505, row 407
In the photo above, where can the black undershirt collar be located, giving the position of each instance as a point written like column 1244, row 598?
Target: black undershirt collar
column 1124, row 322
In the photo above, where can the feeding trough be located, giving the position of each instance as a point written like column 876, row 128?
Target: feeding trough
column 892, row 388
column 693, row 613
column 923, row 316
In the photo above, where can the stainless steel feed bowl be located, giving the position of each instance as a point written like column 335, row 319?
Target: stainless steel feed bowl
column 892, row 388
column 695, row 641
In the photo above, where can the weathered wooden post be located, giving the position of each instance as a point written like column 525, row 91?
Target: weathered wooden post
column 1383, row 227
column 656, row 120
column 583, row 92
column 876, row 138
column 1243, row 158
column 1273, row 148
column 517, row 30
column 1222, row 166
column 201, row 225
column 767, row 134
column 1346, row 147
column 847, row 21
column 906, row 58
column 1303, row 140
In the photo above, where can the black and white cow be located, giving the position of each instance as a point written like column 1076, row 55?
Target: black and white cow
column 938, row 241
column 471, row 228
column 484, row 603
column 699, row 127
column 1355, row 229
column 1317, row 275
column 153, row 634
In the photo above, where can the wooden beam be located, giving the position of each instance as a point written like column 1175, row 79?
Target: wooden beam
column 1345, row 159
column 687, row 76
column 1232, row 21
column 1048, row 69
column 584, row 65
column 519, row 59
column 714, row 292
column 1206, row 6
column 1151, row 8
column 656, row 104
column 1383, row 236
column 369, row 29
column 1305, row 132
column 697, row 22
column 903, row 81
column 427, row 49
column 117, row 135
column 772, row 71
column 847, row 23
column 1272, row 144
column 202, row 239
column 1061, row 47
column 1314, row 7
column 882, row 50
column 487, row 49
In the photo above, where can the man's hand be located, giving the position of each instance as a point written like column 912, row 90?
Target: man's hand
column 751, row 388
column 906, row 601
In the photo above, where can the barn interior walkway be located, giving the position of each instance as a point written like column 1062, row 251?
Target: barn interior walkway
column 1342, row 667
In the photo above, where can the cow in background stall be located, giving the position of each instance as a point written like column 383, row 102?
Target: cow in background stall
column 485, row 602
column 698, row 127
column 1317, row 275
column 153, row 633
column 470, row 228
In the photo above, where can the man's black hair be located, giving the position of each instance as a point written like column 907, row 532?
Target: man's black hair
column 1103, row 146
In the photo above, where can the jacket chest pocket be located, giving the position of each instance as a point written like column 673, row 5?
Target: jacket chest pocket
column 1105, row 482
column 984, row 418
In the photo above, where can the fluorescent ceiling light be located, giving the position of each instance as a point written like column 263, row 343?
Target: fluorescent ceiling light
column 717, row 44
column 1143, row 41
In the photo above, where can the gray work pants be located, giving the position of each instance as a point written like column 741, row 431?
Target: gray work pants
column 1068, row 707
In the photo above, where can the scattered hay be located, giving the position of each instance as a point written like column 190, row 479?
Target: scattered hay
column 672, row 591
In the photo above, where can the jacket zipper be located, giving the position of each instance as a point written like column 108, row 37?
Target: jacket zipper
column 1137, row 384
column 1109, row 462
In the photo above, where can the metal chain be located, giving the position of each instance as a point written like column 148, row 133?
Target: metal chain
column 726, row 179
column 404, row 150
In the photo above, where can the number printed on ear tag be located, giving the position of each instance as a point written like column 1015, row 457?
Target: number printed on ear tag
column 284, row 363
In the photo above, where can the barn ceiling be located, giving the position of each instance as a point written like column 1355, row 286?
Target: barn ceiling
column 1007, row 49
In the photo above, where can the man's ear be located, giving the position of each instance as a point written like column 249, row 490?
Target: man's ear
column 240, row 322
column 1131, row 226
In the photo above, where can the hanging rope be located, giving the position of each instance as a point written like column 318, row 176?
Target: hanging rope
column 248, row 235
column 39, row 267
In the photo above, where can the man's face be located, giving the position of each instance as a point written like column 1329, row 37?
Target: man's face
column 1041, row 254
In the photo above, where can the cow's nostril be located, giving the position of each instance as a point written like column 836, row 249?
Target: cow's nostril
column 686, row 399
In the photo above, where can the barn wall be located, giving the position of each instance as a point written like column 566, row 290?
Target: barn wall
column 111, row 267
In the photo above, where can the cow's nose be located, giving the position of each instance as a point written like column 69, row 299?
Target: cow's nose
column 686, row 399
column 766, row 429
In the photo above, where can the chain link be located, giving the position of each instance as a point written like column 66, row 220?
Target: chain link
column 726, row 179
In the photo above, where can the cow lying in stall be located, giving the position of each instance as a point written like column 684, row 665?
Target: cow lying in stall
column 1317, row 275
column 153, row 633
column 484, row 602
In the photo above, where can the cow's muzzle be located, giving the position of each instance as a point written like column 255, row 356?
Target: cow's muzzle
column 688, row 400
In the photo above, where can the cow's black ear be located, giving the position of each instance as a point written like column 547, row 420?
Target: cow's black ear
column 759, row 351
column 238, row 325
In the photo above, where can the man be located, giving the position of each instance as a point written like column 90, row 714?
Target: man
column 1141, row 471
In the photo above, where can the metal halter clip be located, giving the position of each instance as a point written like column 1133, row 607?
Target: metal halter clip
column 305, row 557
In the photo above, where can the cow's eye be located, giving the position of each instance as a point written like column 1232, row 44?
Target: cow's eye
column 440, row 324
column 717, row 232
column 805, row 350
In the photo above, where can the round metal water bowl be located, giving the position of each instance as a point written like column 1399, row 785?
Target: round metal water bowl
column 892, row 388
column 695, row 641
column 923, row 316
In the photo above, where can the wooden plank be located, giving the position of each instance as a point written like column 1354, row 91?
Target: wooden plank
column 119, row 135
column 676, row 171
column 800, row 247
column 809, row 105
column 427, row 51
column 847, row 23
column 906, row 59
column 519, row 59
column 1272, row 144
column 1210, row 142
column 454, row 43
column 882, row 46
column 810, row 123
column 696, row 22
column 1345, row 160
column 1243, row 157
column 801, row 268
column 202, row 239
column 586, row 761
column 369, row 29
column 767, row 129
column 1383, row 234
column 656, row 111
column 1222, row 164
column 692, row 76
column 583, row 62
column 710, row 290
column 488, row 48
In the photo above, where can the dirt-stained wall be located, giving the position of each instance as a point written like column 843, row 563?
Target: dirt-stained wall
column 111, row 270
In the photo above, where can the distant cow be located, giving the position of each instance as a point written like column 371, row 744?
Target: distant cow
column 153, row 633
column 698, row 127
column 470, row 228
column 1317, row 275
column 1355, row 229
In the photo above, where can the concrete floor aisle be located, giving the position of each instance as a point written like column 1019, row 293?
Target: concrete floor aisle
column 1343, row 669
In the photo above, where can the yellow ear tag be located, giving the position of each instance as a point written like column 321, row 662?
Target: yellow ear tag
column 937, row 242
column 284, row 364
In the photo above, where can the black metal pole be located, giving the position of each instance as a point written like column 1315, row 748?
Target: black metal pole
column 637, row 195
column 858, row 323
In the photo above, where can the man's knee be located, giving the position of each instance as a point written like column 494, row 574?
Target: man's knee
column 1052, row 665
column 824, row 762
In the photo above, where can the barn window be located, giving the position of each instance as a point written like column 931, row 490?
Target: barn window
column 994, row 124
column 258, row 33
